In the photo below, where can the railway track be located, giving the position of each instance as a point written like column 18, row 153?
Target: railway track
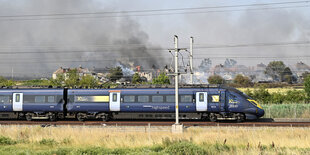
column 186, row 123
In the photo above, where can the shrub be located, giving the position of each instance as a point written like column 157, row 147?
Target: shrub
column 295, row 96
column 216, row 79
column 277, row 98
column 307, row 86
column 261, row 94
column 6, row 141
column 243, row 81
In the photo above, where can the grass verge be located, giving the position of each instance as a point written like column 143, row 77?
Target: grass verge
column 196, row 140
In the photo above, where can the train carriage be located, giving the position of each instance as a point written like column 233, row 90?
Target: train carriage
column 32, row 103
column 214, row 103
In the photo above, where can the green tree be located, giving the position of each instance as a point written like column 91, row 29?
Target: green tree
column 115, row 74
column 161, row 79
column 72, row 79
column 216, row 79
column 307, row 86
column 89, row 81
column 136, row 79
column 59, row 81
column 242, row 80
column 275, row 69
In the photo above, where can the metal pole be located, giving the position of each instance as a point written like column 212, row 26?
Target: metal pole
column 176, row 77
column 191, row 58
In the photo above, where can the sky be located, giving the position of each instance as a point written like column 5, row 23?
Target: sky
column 38, row 36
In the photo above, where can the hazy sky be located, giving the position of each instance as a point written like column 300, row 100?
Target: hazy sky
column 38, row 45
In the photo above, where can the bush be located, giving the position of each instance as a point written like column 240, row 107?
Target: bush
column 261, row 95
column 242, row 81
column 307, row 86
column 6, row 141
column 277, row 98
column 216, row 79
column 291, row 96
column 295, row 96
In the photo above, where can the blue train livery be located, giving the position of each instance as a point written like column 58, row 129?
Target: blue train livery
column 32, row 103
column 195, row 102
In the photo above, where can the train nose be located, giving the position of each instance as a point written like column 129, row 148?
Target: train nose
column 260, row 112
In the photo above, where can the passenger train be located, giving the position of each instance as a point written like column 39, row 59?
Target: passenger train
column 204, row 102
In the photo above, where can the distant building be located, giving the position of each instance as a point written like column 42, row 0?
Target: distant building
column 60, row 70
column 80, row 70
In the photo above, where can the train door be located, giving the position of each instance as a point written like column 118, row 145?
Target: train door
column 17, row 101
column 201, row 101
column 115, row 101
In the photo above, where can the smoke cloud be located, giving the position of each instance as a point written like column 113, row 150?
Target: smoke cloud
column 90, row 42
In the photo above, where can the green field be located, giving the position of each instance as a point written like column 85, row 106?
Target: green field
column 137, row 140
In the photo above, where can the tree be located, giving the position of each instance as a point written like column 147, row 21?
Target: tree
column 287, row 75
column 115, row 74
column 307, row 86
column 72, row 79
column 88, row 81
column 242, row 80
column 136, row 79
column 59, row 81
column 216, row 79
column 275, row 70
column 161, row 79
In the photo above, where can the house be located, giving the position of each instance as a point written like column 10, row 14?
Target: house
column 80, row 70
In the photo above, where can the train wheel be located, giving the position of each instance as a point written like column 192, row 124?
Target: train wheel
column 105, row 118
column 213, row 118
column 52, row 117
column 29, row 117
column 81, row 117
column 240, row 117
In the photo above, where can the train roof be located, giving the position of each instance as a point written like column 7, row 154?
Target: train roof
column 215, row 86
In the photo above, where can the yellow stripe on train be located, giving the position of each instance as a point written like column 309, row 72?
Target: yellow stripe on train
column 259, row 106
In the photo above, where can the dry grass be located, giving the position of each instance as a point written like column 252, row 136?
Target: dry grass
column 116, row 138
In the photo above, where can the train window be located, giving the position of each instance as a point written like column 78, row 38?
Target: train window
column 214, row 98
column 143, row 98
column 157, row 99
column 128, row 98
column 186, row 98
column 51, row 99
column 39, row 99
column 90, row 99
column 114, row 97
column 201, row 97
column 4, row 99
column 170, row 98
column 17, row 98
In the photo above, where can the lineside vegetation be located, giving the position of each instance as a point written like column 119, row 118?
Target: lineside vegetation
column 138, row 140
